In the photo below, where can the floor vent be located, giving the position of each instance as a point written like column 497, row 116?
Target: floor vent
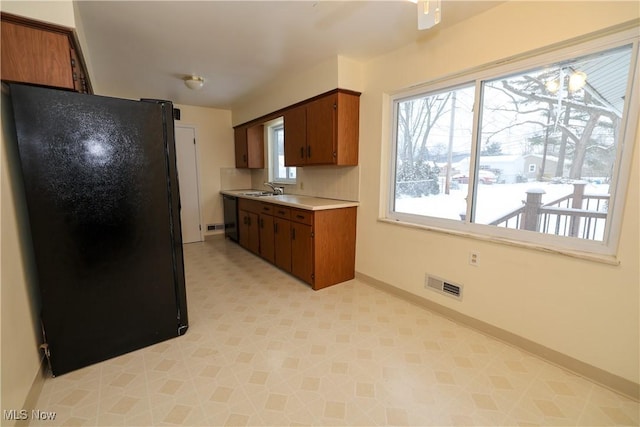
column 442, row 286
column 211, row 227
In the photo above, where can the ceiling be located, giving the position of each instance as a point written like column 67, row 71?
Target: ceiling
column 144, row 49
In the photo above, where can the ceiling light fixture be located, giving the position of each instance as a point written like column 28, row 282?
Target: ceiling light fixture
column 194, row 82
column 429, row 13
column 577, row 80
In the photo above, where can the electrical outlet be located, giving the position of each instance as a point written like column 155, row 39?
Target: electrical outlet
column 474, row 259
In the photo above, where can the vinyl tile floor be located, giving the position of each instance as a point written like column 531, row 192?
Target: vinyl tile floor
column 263, row 349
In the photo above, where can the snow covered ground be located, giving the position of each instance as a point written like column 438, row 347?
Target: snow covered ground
column 493, row 201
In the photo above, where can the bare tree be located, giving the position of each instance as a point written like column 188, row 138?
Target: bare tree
column 576, row 115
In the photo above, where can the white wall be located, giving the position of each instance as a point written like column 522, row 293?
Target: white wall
column 336, row 182
column 19, row 358
column 58, row 12
column 583, row 309
column 287, row 90
column 214, row 136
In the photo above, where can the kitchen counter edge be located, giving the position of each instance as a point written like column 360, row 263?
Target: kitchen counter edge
column 309, row 203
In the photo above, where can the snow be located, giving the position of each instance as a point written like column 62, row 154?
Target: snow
column 493, row 201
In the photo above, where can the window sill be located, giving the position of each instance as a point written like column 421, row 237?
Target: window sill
column 604, row 259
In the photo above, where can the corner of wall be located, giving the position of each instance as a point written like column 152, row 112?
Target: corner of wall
column 20, row 298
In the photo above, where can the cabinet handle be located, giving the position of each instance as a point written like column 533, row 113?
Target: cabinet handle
column 300, row 216
column 264, row 208
column 281, row 212
column 244, row 158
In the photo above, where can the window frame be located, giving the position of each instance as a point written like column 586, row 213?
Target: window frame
column 518, row 64
column 270, row 128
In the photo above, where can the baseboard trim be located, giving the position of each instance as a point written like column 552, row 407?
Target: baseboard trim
column 34, row 392
column 210, row 237
column 600, row 376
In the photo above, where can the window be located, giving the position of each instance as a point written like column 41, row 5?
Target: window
column 527, row 153
column 278, row 172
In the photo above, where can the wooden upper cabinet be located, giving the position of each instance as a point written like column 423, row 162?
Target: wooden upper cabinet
column 42, row 54
column 323, row 131
column 295, row 136
column 249, row 146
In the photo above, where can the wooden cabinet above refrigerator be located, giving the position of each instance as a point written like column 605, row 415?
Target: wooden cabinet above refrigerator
column 43, row 54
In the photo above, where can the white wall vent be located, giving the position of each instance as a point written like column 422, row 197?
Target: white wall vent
column 444, row 287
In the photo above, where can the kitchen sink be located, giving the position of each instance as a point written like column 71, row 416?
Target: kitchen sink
column 259, row 193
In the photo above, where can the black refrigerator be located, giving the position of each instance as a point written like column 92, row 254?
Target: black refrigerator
column 101, row 188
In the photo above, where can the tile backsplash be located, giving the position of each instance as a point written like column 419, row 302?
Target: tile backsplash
column 235, row 179
column 333, row 182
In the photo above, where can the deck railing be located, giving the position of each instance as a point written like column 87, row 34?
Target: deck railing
column 574, row 215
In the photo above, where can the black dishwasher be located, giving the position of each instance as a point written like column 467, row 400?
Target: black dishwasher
column 230, row 204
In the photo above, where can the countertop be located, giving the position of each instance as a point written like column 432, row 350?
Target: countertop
column 294, row 200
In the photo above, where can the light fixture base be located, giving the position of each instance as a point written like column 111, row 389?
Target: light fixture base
column 194, row 82
column 429, row 13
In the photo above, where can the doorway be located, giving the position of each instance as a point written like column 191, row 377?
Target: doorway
column 187, row 164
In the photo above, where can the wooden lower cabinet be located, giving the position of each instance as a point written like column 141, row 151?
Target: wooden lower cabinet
column 282, row 243
column 302, row 252
column 318, row 247
column 249, row 234
column 267, row 247
column 334, row 246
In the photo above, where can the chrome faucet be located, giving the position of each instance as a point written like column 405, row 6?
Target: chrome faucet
column 276, row 190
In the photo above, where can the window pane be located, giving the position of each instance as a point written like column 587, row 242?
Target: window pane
column 548, row 143
column 434, row 134
column 279, row 172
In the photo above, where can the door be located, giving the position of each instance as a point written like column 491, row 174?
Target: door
column 188, row 181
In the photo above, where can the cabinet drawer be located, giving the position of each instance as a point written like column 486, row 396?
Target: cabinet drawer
column 302, row 216
column 266, row 208
column 281, row 212
column 250, row 205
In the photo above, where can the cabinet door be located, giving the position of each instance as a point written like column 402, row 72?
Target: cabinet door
column 302, row 252
column 32, row 55
column 243, row 228
column 267, row 238
column 240, row 139
column 249, row 232
column 249, row 146
column 282, row 240
column 254, row 233
column 295, row 136
column 321, row 130
column 255, row 147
